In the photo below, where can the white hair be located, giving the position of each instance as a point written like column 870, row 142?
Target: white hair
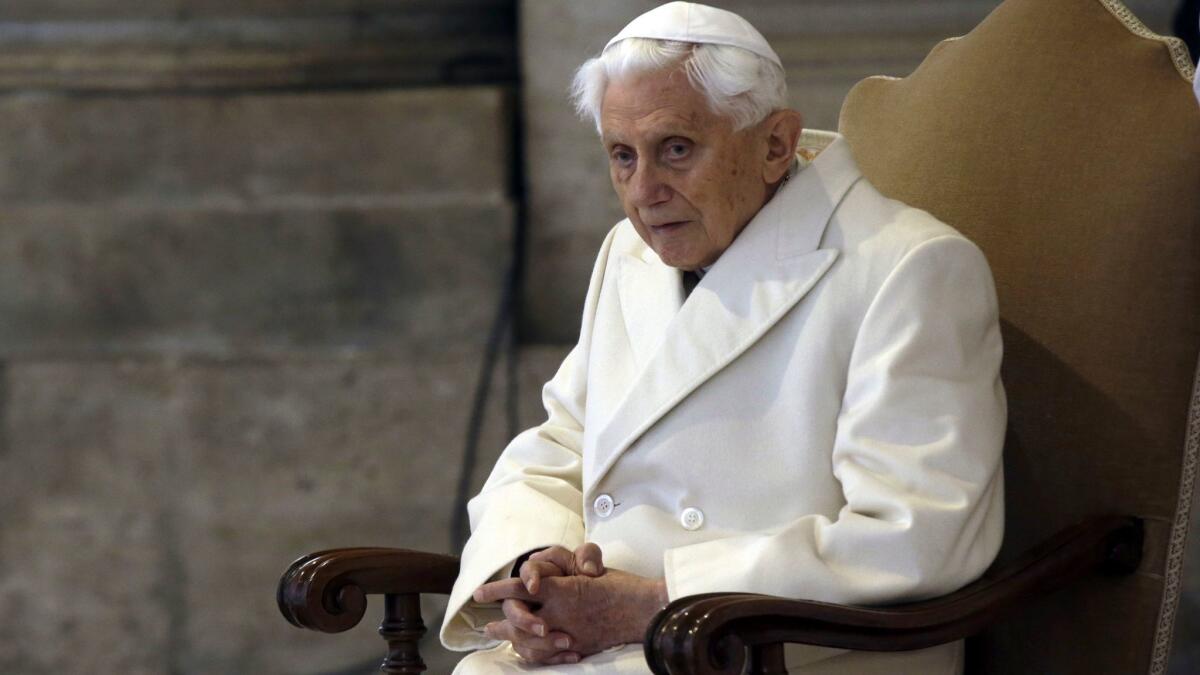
column 737, row 82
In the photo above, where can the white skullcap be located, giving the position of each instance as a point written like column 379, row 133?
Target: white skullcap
column 692, row 22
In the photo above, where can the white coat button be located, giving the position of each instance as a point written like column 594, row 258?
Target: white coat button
column 603, row 506
column 691, row 519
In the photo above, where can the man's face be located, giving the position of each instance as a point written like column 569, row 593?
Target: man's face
column 686, row 180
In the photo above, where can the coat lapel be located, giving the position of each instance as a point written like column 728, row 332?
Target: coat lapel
column 757, row 280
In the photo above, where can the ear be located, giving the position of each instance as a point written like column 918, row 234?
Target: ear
column 783, row 129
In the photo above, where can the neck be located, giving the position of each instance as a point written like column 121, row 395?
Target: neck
column 774, row 187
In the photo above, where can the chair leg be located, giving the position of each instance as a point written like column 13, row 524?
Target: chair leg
column 767, row 660
column 403, row 628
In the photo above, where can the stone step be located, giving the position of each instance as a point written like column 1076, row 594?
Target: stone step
column 151, row 505
column 66, row 10
column 401, row 278
column 111, row 149
column 141, row 69
column 132, row 47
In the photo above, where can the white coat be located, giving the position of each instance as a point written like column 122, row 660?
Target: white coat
column 822, row 418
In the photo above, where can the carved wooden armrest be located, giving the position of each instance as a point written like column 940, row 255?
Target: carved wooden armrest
column 711, row 633
column 327, row 591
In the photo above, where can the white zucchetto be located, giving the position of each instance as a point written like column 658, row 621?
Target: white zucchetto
column 693, row 22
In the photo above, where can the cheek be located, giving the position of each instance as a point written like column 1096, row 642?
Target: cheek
column 621, row 193
column 722, row 195
column 726, row 201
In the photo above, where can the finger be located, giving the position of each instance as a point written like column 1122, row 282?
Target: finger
column 537, row 655
column 558, row 556
column 561, row 658
column 553, row 643
column 528, row 647
column 501, row 590
column 500, row 630
column 589, row 559
column 559, row 641
column 519, row 615
column 532, row 572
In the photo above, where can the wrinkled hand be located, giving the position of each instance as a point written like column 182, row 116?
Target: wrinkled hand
column 557, row 561
column 530, row 636
column 590, row 613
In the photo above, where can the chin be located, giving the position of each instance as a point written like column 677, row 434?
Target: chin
column 674, row 259
column 686, row 260
column 673, row 254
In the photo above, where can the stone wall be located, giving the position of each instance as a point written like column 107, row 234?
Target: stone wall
column 235, row 332
column 248, row 260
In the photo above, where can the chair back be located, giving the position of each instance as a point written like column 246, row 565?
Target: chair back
column 1063, row 137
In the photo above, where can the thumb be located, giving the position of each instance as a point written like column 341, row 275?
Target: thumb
column 589, row 560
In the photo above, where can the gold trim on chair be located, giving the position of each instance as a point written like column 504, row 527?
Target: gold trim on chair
column 1176, row 47
column 1173, row 572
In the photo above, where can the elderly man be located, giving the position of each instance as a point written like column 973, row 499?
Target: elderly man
column 785, row 383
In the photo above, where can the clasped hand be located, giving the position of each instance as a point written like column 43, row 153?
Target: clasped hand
column 565, row 605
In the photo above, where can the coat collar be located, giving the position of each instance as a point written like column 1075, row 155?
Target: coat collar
column 679, row 344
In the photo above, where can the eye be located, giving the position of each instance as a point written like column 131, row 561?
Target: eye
column 678, row 149
column 621, row 156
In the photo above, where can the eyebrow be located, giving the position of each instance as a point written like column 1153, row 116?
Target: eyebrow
column 682, row 131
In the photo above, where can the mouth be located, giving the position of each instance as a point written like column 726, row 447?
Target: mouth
column 669, row 226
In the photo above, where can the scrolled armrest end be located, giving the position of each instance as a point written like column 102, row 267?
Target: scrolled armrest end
column 327, row 591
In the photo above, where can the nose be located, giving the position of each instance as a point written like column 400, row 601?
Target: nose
column 647, row 187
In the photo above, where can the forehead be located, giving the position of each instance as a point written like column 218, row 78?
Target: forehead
column 661, row 101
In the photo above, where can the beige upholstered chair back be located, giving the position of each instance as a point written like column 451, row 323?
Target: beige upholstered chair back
column 1063, row 137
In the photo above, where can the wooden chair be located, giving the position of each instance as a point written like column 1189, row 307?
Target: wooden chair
column 1062, row 137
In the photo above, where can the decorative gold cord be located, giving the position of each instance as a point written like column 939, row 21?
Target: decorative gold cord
column 1175, row 46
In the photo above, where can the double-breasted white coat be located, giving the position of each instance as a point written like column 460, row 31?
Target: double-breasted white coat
column 822, row 418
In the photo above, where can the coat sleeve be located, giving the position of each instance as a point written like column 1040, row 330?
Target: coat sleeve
column 533, row 497
column 917, row 452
